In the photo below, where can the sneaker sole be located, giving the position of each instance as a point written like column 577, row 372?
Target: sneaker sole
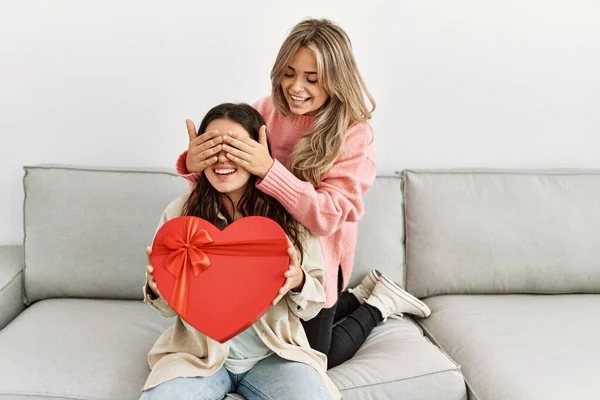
column 418, row 304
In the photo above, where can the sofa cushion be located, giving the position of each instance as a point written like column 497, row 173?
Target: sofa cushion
column 86, row 229
column 381, row 232
column 398, row 362
column 521, row 346
column 97, row 349
column 79, row 349
column 502, row 232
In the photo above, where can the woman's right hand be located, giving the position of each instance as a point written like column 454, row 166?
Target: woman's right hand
column 203, row 149
column 149, row 274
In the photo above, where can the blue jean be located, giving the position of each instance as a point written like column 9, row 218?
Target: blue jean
column 270, row 379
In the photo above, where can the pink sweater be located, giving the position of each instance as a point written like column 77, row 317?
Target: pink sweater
column 332, row 210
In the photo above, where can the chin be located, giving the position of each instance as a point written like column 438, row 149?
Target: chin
column 224, row 189
column 298, row 110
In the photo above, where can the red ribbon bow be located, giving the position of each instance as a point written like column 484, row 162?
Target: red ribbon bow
column 186, row 256
column 189, row 254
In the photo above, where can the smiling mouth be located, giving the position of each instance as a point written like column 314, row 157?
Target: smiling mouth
column 224, row 171
column 299, row 99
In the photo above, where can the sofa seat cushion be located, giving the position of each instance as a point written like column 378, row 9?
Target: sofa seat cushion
column 521, row 346
column 398, row 362
column 78, row 349
column 97, row 349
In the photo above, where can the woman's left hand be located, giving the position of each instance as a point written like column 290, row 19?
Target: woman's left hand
column 294, row 276
column 249, row 154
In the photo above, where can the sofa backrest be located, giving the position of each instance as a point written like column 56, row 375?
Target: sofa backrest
column 381, row 232
column 502, row 232
column 86, row 229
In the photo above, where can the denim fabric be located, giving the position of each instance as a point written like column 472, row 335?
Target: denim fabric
column 271, row 379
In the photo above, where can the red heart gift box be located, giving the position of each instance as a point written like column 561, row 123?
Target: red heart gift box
column 220, row 282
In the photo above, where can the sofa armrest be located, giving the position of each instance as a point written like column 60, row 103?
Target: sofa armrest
column 11, row 283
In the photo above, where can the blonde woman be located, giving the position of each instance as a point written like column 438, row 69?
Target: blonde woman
column 323, row 163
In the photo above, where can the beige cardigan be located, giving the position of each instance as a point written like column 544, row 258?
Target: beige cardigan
column 182, row 351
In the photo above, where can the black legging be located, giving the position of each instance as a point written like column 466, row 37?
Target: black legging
column 342, row 341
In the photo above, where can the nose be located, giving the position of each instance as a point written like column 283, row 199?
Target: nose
column 222, row 157
column 298, row 85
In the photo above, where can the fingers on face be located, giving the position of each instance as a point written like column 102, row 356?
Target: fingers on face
column 207, row 153
column 237, row 153
column 205, row 137
column 244, row 144
column 204, row 142
column 238, row 161
column 209, row 162
column 206, row 159
column 211, row 144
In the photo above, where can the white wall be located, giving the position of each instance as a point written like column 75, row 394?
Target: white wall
column 458, row 83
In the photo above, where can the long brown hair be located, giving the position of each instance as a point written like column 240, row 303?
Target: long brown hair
column 338, row 75
column 207, row 203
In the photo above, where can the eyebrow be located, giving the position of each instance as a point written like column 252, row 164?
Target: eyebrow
column 306, row 72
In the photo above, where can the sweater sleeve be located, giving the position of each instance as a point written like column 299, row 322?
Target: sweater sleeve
column 191, row 177
column 307, row 303
column 339, row 197
column 158, row 303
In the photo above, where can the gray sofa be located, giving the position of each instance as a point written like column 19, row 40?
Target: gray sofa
column 509, row 263
column 488, row 251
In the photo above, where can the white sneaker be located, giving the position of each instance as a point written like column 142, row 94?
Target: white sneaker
column 363, row 291
column 391, row 300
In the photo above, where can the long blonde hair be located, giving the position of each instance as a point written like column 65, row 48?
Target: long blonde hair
column 338, row 75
